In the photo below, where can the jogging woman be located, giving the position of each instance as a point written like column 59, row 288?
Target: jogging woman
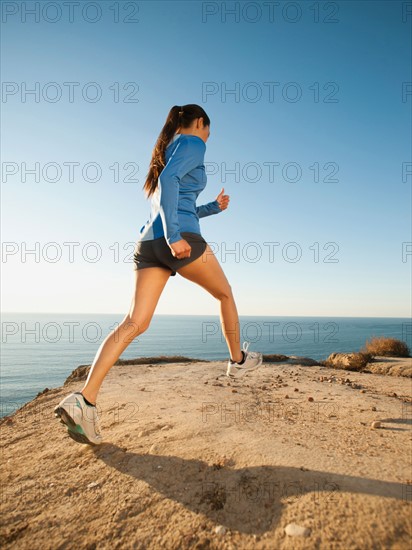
column 170, row 242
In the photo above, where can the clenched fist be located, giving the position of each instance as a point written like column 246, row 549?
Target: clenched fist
column 181, row 249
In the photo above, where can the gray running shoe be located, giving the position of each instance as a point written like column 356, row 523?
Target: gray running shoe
column 82, row 420
column 253, row 360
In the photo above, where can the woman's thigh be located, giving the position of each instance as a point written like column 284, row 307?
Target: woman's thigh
column 208, row 273
column 149, row 285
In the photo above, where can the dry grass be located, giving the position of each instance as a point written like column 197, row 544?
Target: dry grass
column 386, row 347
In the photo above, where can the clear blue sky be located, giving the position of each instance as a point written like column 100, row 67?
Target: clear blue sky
column 176, row 53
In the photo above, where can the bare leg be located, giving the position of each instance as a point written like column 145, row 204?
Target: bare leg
column 150, row 283
column 207, row 272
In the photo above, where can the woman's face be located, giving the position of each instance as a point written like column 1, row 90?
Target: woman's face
column 206, row 130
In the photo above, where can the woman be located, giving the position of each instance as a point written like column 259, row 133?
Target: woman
column 170, row 242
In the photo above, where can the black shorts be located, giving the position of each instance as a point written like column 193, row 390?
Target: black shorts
column 157, row 253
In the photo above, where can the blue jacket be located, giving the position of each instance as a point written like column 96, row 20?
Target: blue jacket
column 173, row 205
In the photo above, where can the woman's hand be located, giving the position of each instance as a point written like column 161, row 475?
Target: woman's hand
column 223, row 200
column 181, row 249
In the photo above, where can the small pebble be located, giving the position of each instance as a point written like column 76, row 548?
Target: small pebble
column 220, row 530
column 296, row 389
column 373, row 408
column 286, row 396
column 310, row 398
column 294, row 530
column 234, row 391
column 376, row 424
column 92, row 484
column 363, row 391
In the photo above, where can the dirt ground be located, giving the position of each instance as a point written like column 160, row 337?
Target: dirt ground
column 193, row 460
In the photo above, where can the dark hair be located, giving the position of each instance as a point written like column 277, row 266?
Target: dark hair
column 179, row 116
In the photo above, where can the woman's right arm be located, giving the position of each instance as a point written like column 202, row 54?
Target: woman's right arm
column 188, row 155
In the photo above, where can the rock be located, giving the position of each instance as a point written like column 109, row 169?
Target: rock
column 303, row 361
column 78, row 374
column 310, row 398
column 355, row 361
column 92, row 484
column 373, row 408
column 220, row 530
column 341, row 360
column 393, row 366
column 295, row 530
column 376, row 424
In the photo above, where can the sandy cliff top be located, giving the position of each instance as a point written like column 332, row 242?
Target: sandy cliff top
column 186, row 451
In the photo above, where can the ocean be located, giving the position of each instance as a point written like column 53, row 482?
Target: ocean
column 41, row 350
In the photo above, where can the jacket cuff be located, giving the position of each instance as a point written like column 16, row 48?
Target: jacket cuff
column 174, row 238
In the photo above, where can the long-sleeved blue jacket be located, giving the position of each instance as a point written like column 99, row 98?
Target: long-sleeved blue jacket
column 173, row 205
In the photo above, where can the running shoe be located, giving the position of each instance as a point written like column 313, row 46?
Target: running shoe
column 253, row 359
column 82, row 420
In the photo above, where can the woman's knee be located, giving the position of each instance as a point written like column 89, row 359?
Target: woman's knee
column 224, row 293
column 136, row 325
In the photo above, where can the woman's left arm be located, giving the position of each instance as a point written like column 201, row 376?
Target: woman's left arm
column 220, row 203
column 208, row 209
